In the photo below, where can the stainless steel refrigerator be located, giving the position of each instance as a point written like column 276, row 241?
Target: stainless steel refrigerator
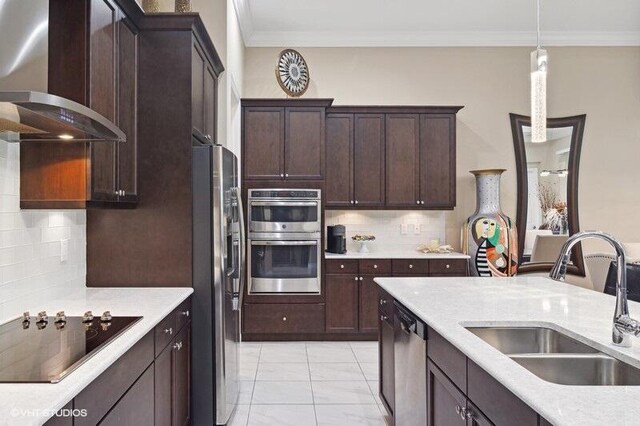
column 219, row 265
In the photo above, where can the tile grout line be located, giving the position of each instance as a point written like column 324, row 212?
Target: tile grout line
column 253, row 386
column 313, row 399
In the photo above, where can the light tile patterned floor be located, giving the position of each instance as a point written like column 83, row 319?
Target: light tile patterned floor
column 309, row 384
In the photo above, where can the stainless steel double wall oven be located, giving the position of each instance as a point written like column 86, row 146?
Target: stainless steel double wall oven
column 284, row 241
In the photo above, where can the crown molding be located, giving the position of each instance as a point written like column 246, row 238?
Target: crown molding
column 254, row 38
column 243, row 13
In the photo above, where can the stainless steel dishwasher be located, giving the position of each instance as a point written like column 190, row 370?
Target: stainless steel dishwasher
column 410, row 368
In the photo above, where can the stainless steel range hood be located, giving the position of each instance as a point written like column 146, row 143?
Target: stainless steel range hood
column 38, row 117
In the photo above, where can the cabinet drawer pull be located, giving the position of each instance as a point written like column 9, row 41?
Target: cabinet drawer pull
column 421, row 202
column 448, row 266
column 185, row 313
column 375, row 266
column 361, row 278
column 168, row 330
column 418, row 202
column 383, row 318
column 458, row 409
column 351, row 201
column 341, row 266
column 383, row 302
column 177, row 346
column 286, row 175
column 281, row 175
column 284, row 318
column 356, row 278
column 410, row 266
column 356, row 201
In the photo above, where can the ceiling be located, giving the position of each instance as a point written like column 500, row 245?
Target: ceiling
column 438, row 22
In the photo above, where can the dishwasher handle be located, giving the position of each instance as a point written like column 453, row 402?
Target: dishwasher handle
column 409, row 323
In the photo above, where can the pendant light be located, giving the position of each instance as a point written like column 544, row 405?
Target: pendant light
column 538, row 88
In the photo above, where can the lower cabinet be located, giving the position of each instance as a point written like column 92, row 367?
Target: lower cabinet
column 368, row 304
column 172, row 382
column 143, row 388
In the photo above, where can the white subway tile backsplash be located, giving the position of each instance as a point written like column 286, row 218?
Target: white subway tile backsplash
column 387, row 225
column 30, row 240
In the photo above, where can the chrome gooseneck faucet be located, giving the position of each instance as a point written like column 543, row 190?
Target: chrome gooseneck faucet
column 623, row 325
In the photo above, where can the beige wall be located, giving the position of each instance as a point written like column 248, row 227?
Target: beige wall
column 604, row 83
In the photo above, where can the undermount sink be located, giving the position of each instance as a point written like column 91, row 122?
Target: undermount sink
column 558, row 358
column 581, row 370
column 530, row 340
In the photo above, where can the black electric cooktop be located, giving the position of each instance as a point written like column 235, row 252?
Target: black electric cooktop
column 43, row 349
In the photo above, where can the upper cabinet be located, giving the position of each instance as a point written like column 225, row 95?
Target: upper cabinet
column 391, row 157
column 284, row 138
column 203, row 96
column 93, row 60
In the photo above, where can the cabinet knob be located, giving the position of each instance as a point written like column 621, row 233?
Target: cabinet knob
column 341, row 266
column 351, row 201
column 286, row 175
column 410, row 266
column 177, row 346
column 356, row 201
column 418, row 202
column 383, row 302
column 383, row 318
column 458, row 409
column 447, row 266
column 284, row 318
column 421, row 202
column 360, row 278
column 375, row 266
column 281, row 175
column 356, row 278
column 185, row 313
column 168, row 330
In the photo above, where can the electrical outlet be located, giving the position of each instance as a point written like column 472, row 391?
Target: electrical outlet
column 64, row 250
column 404, row 229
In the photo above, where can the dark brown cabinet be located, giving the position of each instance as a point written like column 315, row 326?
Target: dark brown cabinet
column 342, row 303
column 172, row 382
column 339, row 160
column 136, row 406
column 369, row 160
column 444, row 401
column 93, row 60
column 391, row 157
column 386, row 352
column 368, row 300
column 284, row 139
column 438, row 160
column 203, row 96
column 402, row 160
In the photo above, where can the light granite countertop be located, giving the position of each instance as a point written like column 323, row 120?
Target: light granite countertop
column 32, row 404
column 449, row 304
column 395, row 254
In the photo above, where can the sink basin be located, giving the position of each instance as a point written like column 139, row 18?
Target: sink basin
column 585, row 370
column 530, row 340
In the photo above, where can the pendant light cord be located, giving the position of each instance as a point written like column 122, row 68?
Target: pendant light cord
column 538, row 23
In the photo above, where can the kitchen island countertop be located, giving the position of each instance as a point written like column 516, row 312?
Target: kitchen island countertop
column 447, row 305
column 34, row 403
column 395, row 254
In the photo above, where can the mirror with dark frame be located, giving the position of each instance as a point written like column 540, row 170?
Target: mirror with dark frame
column 547, row 210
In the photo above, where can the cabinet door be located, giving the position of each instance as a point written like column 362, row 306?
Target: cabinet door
column 369, row 162
column 163, row 389
column 210, row 111
column 263, row 142
column 182, row 378
column 438, row 160
column 102, row 95
column 387, row 382
column 444, row 400
column 197, row 90
column 136, row 406
column 368, row 304
column 341, row 303
column 304, row 143
column 127, row 108
column 403, row 159
column 339, row 160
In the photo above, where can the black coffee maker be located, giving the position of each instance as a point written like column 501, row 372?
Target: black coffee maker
column 336, row 239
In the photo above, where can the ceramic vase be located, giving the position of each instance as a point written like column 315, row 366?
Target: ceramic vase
column 489, row 236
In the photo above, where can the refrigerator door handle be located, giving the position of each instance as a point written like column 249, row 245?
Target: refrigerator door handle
column 239, row 290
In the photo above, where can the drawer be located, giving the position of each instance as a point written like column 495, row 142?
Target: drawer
column 103, row 393
column 448, row 358
column 448, row 266
column 496, row 401
column 164, row 332
column 284, row 318
column 344, row 266
column 410, row 266
column 385, row 303
column 375, row 266
column 183, row 314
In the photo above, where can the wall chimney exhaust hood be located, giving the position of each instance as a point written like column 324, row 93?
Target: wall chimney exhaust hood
column 40, row 117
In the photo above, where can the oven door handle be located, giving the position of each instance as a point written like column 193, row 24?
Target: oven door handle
column 284, row 203
column 284, row 243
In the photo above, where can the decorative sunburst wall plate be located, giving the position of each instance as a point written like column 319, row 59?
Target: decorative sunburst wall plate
column 292, row 73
